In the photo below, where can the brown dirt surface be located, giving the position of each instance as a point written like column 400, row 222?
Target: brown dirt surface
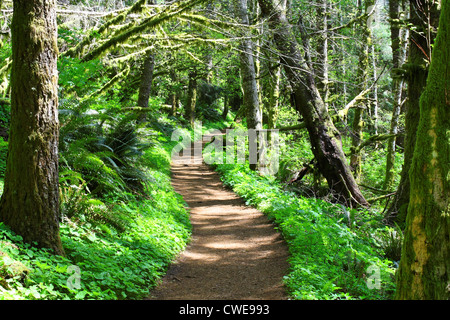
column 234, row 253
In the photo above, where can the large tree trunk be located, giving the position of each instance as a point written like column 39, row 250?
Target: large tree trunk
column 324, row 137
column 424, row 271
column 30, row 202
column 248, row 76
column 416, row 75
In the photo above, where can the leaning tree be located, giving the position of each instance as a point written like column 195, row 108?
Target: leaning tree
column 324, row 137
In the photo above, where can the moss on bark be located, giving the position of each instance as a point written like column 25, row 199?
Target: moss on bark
column 425, row 264
column 30, row 201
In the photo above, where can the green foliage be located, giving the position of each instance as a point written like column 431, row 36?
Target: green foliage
column 79, row 77
column 113, row 264
column 5, row 115
column 122, row 223
column 107, row 159
column 331, row 247
column 3, row 155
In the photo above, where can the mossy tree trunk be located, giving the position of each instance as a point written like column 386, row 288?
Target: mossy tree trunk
column 30, row 202
column 324, row 137
column 415, row 73
column 424, row 271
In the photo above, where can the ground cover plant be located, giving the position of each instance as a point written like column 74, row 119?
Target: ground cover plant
column 113, row 264
column 121, row 221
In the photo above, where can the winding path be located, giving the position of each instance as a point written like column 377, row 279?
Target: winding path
column 234, row 253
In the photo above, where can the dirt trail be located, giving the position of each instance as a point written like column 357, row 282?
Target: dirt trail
column 235, row 253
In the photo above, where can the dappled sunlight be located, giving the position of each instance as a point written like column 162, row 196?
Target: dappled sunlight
column 234, row 253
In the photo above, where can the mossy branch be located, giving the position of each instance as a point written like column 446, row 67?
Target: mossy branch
column 209, row 23
column 349, row 23
column 6, row 67
column 109, row 84
column 360, row 97
column 294, row 127
column 78, row 49
column 372, row 200
column 371, row 140
column 4, row 102
column 150, row 22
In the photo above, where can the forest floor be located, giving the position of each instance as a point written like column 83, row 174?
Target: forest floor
column 234, row 254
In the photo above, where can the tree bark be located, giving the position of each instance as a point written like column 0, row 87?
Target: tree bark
column 398, row 39
column 273, row 103
column 248, row 75
column 225, row 107
column 415, row 73
column 30, row 202
column 175, row 94
column 323, row 78
column 363, row 75
column 374, row 111
column 146, row 80
column 324, row 137
column 424, row 271
column 191, row 98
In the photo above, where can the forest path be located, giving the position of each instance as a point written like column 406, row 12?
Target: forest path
column 234, row 253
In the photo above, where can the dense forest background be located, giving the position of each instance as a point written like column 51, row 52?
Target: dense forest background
column 340, row 80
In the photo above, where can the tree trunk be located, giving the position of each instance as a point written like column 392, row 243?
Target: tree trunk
column 146, row 80
column 363, row 74
column 323, row 79
column 248, row 75
column 391, row 147
column 416, row 74
column 191, row 98
column 225, row 107
column 175, row 92
column 273, row 103
column 374, row 113
column 398, row 40
column 30, row 202
column 324, row 137
column 424, row 271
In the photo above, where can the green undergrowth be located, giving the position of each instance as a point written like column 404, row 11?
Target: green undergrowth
column 335, row 252
column 101, row 261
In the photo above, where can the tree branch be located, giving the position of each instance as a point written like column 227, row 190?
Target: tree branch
column 361, row 96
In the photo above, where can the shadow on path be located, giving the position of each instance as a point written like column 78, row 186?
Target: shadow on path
column 234, row 253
